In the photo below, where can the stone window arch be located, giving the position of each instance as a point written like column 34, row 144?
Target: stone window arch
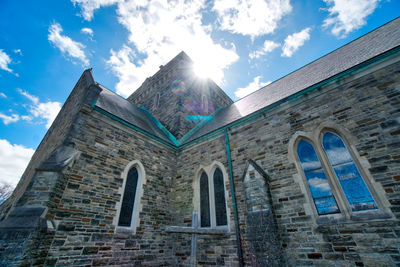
column 210, row 196
column 337, row 184
column 129, row 206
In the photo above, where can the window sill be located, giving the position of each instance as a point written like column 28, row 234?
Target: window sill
column 361, row 216
column 191, row 230
column 124, row 230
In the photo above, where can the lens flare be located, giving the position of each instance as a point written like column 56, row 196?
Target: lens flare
column 196, row 106
column 178, row 87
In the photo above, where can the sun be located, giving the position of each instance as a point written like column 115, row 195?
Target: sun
column 203, row 70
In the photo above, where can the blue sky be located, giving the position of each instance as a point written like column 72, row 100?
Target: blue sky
column 242, row 44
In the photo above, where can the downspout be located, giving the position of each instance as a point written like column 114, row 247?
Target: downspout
column 235, row 212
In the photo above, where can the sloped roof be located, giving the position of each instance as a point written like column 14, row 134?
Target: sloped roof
column 124, row 110
column 352, row 54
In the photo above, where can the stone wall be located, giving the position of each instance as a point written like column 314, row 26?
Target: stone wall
column 175, row 92
column 363, row 105
column 85, row 233
column 366, row 105
column 211, row 250
column 261, row 235
column 55, row 136
column 24, row 247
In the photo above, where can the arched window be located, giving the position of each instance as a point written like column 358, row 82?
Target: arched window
column 204, row 104
column 129, row 207
column 219, row 197
column 320, row 189
column 157, row 101
column 210, row 194
column 336, row 183
column 205, row 220
column 354, row 188
column 128, row 200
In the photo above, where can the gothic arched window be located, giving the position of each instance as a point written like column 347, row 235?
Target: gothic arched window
column 131, row 192
column 210, row 194
column 157, row 101
column 205, row 220
column 354, row 188
column 128, row 200
column 318, row 184
column 219, row 197
column 335, row 181
column 204, row 104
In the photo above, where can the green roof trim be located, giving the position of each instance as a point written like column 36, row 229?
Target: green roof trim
column 159, row 125
column 387, row 55
column 198, row 126
column 178, row 144
column 113, row 117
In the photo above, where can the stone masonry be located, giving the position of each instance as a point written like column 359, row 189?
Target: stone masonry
column 63, row 211
column 177, row 98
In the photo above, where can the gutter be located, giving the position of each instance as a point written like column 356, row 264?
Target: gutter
column 235, row 211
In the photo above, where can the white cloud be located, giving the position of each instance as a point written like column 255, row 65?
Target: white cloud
column 268, row 46
column 18, row 51
column 251, row 17
column 32, row 98
column 13, row 161
column 26, row 117
column 3, row 95
column 252, row 87
column 87, row 31
column 47, row 111
column 44, row 110
column 89, row 6
column 160, row 30
column 4, row 61
column 9, row 119
column 346, row 16
column 295, row 41
column 66, row 45
column 320, row 184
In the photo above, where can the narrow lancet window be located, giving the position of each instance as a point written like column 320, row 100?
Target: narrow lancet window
column 219, row 196
column 353, row 185
column 204, row 104
column 128, row 200
column 321, row 192
column 157, row 101
column 204, row 201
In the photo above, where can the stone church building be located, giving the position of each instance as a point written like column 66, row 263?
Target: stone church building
column 303, row 172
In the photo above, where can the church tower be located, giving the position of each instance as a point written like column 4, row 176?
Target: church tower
column 179, row 99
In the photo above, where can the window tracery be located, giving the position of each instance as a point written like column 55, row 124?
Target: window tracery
column 338, row 187
column 210, row 196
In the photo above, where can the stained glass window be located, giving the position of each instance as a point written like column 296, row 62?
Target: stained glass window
column 204, row 201
column 316, row 179
column 219, row 196
column 128, row 200
column 353, row 185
